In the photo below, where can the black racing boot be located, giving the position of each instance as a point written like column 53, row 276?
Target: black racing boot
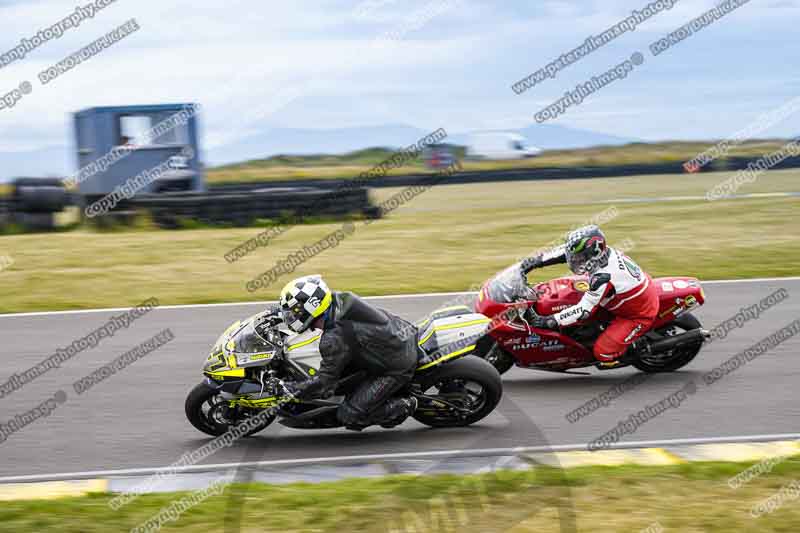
column 398, row 410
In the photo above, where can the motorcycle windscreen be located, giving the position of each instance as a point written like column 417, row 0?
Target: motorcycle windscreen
column 509, row 286
column 249, row 347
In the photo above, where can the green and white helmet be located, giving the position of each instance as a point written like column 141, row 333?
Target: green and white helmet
column 586, row 250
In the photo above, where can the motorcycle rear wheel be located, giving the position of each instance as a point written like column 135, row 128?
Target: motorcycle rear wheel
column 205, row 411
column 470, row 382
column 677, row 357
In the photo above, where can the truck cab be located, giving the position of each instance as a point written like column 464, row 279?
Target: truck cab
column 117, row 143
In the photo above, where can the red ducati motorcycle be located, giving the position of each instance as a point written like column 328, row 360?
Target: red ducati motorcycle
column 674, row 340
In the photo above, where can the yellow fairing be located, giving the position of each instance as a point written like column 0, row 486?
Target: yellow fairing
column 257, row 402
column 448, row 357
column 234, row 373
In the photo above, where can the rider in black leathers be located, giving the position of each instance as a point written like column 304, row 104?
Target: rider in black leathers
column 356, row 337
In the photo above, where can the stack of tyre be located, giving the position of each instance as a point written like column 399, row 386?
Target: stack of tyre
column 35, row 202
column 245, row 207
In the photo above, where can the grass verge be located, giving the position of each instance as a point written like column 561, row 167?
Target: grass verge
column 449, row 238
column 283, row 167
column 693, row 497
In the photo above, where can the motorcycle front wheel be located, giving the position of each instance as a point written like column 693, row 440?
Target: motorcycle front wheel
column 209, row 413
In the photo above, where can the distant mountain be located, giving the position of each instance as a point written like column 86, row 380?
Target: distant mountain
column 307, row 141
column 342, row 140
column 59, row 161
column 553, row 137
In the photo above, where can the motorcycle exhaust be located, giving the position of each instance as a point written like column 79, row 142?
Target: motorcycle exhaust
column 690, row 337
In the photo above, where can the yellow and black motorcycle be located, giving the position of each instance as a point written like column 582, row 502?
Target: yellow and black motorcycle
column 252, row 359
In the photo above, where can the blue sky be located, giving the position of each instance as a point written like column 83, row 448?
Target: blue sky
column 315, row 64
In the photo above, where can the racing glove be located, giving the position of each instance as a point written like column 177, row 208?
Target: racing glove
column 531, row 263
column 291, row 390
column 268, row 320
column 544, row 322
column 554, row 256
column 309, row 388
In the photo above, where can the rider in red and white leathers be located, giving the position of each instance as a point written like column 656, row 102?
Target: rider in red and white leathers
column 616, row 283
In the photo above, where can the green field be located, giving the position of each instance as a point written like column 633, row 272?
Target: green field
column 688, row 498
column 446, row 239
column 281, row 167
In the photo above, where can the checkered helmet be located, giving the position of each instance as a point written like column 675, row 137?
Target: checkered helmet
column 586, row 250
column 303, row 300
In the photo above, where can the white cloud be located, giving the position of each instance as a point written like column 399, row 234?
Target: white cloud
column 244, row 61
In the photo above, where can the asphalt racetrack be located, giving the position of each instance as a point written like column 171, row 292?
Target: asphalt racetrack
column 135, row 418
